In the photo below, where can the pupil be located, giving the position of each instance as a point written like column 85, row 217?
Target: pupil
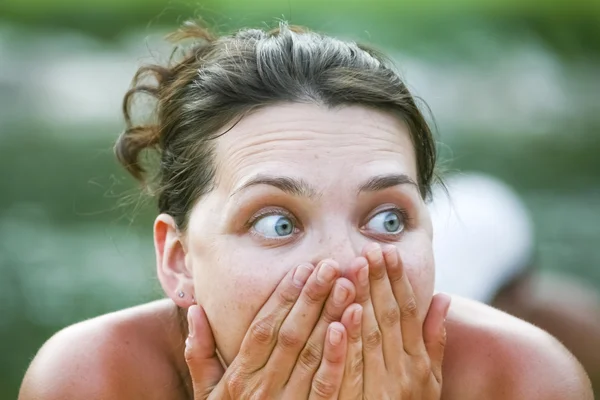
column 283, row 227
column 391, row 222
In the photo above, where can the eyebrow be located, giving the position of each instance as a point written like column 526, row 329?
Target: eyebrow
column 301, row 188
column 382, row 182
column 293, row 186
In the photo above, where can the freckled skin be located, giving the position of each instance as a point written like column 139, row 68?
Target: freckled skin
column 334, row 151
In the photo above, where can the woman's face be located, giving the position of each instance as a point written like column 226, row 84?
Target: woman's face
column 297, row 183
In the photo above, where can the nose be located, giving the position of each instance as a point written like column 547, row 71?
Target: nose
column 343, row 248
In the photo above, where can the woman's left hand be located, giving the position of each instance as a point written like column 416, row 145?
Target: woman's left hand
column 393, row 352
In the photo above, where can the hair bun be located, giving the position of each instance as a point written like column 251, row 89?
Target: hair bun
column 156, row 82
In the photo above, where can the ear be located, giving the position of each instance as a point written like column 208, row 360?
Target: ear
column 175, row 277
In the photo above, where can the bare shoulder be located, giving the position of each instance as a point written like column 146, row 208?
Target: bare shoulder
column 492, row 355
column 122, row 355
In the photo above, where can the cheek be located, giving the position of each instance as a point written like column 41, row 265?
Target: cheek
column 233, row 291
column 417, row 257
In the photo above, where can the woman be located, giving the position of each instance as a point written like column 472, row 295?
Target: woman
column 292, row 177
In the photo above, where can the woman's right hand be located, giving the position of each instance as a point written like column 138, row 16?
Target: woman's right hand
column 294, row 349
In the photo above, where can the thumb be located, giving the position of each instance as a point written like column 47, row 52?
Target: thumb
column 201, row 354
column 434, row 332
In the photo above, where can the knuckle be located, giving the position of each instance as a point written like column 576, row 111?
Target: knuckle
column 406, row 390
column 263, row 331
column 356, row 366
column 442, row 342
column 329, row 315
column 355, row 337
column 260, row 393
column 235, row 384
column 422, row 369
column 405, row 385
column 287, row 297
column 310, row 357
column 372, row 340
column 289, row 339
column 190, row 357
column 396, row 274
column 409, row 309
column 313, row 295
column 378, row 272
column 391, row 316
column 323, row 387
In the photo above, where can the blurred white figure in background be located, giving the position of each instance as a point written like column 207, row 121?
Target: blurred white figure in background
column 484, row 246
column 483, row 236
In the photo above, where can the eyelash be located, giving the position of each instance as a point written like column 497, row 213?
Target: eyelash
column 265, row 213
column 403, row 213
column 406, row 219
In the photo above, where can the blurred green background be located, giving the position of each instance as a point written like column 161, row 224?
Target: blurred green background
column 514, row 87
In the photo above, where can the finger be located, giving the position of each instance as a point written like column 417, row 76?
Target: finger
column 353, row 370
column 371, row 334
column 410, row 321
column 303, row 317
column 434, row 332
column 387, row 311
column 261, row 337
column 201, row 354
column 310, row 357
column 327, row 380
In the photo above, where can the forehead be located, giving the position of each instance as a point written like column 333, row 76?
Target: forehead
column 312, row 141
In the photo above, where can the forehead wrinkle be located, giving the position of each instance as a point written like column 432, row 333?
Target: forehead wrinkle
column 243, row 158
column 278, row 141
column 315, row 127
column 257, row 160
column 311, row 115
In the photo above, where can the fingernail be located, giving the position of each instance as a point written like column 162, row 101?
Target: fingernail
column 188, row 343
column 301, row 275
column 326, row 273
column 335, row 336
column 357, row 316
column 363, row 275
column 190, row 322
column 340, row 294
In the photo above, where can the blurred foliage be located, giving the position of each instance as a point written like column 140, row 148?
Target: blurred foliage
column 81, row 183
column 64, row 192
column 570, row 27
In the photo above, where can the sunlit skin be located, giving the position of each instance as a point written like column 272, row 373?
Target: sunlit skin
column 351, row 168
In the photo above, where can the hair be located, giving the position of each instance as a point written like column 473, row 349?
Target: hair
column 219, row 79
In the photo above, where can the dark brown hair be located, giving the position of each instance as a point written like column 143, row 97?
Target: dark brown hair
column 218, row 80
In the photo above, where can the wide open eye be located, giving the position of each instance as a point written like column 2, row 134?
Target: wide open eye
column 274, row 226
column 386, row 222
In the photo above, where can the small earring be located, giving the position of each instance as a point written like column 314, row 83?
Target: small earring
column 181, row 294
